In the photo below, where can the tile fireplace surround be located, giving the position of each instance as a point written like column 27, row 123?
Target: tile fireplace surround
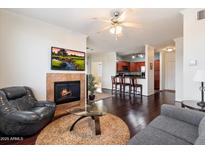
column 58, row 77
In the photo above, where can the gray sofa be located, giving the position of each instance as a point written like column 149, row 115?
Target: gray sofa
column 174, row 126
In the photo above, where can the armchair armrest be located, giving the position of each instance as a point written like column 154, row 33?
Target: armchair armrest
column 189, row 116
column 3, row 97
column 23, row 117
column 45, row 104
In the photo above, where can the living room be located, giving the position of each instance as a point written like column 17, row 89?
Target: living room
column 80, row 82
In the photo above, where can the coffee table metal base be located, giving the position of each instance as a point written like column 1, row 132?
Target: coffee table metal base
column 94, row 117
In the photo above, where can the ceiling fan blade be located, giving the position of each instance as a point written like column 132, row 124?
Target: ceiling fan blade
column 104, row 29
column 122, row 16
column 131, row 25
column 102, row 20
column 125, row 13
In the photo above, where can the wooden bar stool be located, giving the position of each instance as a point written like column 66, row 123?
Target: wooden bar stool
column 126, row 82
column 135, row 86
column 115, row 84
column 120, row 81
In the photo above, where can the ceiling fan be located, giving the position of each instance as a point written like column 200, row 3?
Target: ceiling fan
column 116, row 23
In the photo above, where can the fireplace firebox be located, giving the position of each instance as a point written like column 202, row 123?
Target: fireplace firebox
column 66, row 91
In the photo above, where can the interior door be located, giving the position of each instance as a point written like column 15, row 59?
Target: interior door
column 156, row 74
column 170, row 74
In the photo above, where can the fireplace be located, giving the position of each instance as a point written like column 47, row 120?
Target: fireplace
column 66, row 91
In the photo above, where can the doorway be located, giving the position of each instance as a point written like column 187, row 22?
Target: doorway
column 170, row 75
column 96, row 70
column 170, row 71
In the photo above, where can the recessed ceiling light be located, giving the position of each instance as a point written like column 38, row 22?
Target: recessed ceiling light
column 133, row 57
column 140, row 55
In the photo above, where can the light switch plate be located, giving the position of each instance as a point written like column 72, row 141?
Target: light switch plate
column 192, row 62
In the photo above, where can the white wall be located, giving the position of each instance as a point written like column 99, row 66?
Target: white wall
column 88, row 64
column 179, row 69
column 25, row 50
column 194, row 49
column 108, row 67
column 149, row 74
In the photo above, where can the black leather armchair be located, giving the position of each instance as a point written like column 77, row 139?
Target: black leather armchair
column 21, row 114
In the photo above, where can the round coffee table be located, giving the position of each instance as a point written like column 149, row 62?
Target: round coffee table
column 192, row 104
column 90, row 111
column 94, row 115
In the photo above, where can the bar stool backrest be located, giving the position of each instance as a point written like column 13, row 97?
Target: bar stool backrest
column 121, row 79
column 134, row 81
column 128, row 80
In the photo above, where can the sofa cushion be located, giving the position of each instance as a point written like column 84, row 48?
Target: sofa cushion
column 189, row 116
column 179, row 129
column 202, row 127
column 154, row 136
column 14, row 92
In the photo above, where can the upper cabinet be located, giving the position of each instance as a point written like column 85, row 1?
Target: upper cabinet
column 130, row 63
column 136, row 66
column 123, row 66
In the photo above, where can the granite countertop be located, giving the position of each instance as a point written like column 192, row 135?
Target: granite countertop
column 137, row 76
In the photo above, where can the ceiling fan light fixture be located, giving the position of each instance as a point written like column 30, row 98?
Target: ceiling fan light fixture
column 116, row 30
column 170, row 49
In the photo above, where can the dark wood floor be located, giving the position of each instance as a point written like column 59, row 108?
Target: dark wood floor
column 136, row 112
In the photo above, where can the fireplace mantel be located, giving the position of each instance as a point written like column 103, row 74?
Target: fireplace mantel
column 51, row 78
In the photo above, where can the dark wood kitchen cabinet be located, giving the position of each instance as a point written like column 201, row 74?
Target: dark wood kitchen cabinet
column 136, row 66
column 123, row 66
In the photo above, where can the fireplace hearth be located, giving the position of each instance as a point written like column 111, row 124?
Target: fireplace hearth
column 66, row 91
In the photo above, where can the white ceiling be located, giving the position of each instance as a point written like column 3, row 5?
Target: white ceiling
column 158, row 26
